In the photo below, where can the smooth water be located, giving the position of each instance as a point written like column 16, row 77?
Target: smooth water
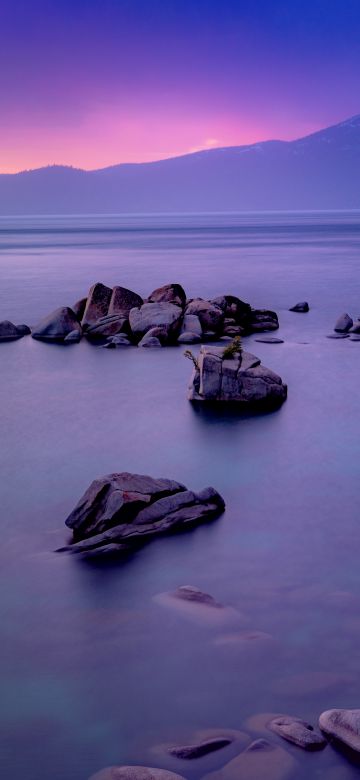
column 93, row 670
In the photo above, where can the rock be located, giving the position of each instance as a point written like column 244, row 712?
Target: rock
column 233, row 330
column 263, row 320
column 108, row 345
column 355, row 337
column 343, row 726
column 167, row 316
column 135, row 773
column 189, row 338
column 242, row 380
column 169, row 293
column 210, row 315
column 199, row 607
column 110, row 325
column 298, row 732
column 190, row 593
column 79, row 308
column 202, row 749
column 150, row 342
column 23, row 330
column 97, row 304
column 354, row 329
column 261, row 760
column 120, row 340
column 302, row 307
column 338, row 336
column 123, row 300
column 191, row 324
column 57, row 325
column 73, row 337
column 270, row 340
column 129, row 508
column 343, row 324
column 234, row 308
column 9, row 331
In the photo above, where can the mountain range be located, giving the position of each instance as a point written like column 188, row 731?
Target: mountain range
column 319, row 171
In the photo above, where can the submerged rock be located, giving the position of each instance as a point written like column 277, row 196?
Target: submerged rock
column 135, row 773
column 298, row 732
column 130, row 508
column 201, row 749
column 260, row 761
column 301, row 307
column 241, row 379
column 270, row 340
column 195, row 595
column 338, row 336
column 57, row 325
column 343, row 726
column 343, row 323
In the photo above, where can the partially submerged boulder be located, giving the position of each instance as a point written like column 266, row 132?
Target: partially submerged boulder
column 301, row 307
column 260, row 761
column 343, row 323
column 201, row 749
column 128, row 508
column 167, row 316
column 11, row 332
column 262, row 320
column 240, row 379
column 343, row 726
column 211, row 316
column 110, row 325
column 57, row 325
column 298, row 732
column 135, row 773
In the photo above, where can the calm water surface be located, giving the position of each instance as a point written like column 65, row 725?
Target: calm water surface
column 94, row 671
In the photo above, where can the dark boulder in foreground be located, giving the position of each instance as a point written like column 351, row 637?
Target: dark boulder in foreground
column 11, row 332
column 57, row 325
column 298, row 732
column 201, row 749
column 301, row 307
column 239, row 379
column 343, row 323
column 343, row 726
column 126, row 509
column 135, row 773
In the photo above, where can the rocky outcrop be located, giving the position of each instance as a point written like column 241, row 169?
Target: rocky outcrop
column 57, row 325
column 169, row 293
column 126, row 509
column 240, row 379
column 297, row 731
column 135, row 773
column 167, row 316
column 301, row 307
column 343, row 324
column 343, row 726
column 11, row 332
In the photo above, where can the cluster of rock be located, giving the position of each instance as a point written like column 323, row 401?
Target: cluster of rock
column 118, row 317
column 240, row 379
column 121, row 511
column 11, row 332
column 259, row 758
column 345, row 327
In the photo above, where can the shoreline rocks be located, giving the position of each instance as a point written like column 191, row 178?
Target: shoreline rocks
column 57, row 325
column 343, row 726
column 11, row 332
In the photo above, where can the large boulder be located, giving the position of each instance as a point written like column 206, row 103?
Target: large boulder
column 262, row 320
column 123, row 300
column 110, row 325
column 79, row 308
column 135, row 773
column 11, row 332
column 97, row 304
column 343, row 323
column 169, row 293
column 166, row 316
column 297, row 731
column 241, row 379
column 343, row 726
column 211, row 316
column 301, row 307
column 191, row 324
column 128, row 508
column 234, row 307
column 57, row 325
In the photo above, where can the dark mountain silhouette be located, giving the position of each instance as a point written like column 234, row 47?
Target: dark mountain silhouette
column 320, row 171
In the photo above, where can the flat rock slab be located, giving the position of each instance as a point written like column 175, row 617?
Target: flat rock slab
column 298, row 732
column 270, row 340
column 197, row 606
column 343, row 726
column 201, row 749
column 135, row 773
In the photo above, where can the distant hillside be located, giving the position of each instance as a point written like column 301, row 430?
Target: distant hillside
column 320, row 171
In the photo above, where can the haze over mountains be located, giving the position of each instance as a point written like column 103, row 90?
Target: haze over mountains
column 320, row 171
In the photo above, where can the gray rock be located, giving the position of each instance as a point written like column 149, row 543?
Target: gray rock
column 356, row 327
column 123, row 300
column 97, row 304
column 9, row 331
column 355, row 337
column 343, row 726
column 110, row 325
column 57, row 325
column 191, row 324
column 270, row 340
column 189, row 338
column 338, row 336
column 169, row 293
column 120, row 340
column 127, row 509
column 135, row 773
column 242, row 380
column 73, row 337
column 233, row 330
column 263, row 320
column 23, row 330
column 150, row 342
column 298, row 732
column 343, row 324
column 301, row 307
column 201, row 749
column 195, row 595
column 79, row 308
column 234, row 308
column 151, row 315
column 210, row 315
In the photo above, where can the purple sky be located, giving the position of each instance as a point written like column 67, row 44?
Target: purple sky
column 95, row 82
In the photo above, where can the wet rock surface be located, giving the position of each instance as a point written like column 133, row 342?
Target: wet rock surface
column 297, row 731
column 57, row 325
column 201, row 749
column 135, row 773
column 342, row 725
column 301, row 307
column 11, row 332
column 343, row 323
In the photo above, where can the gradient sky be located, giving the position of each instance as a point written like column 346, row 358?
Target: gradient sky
column 91, row 83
